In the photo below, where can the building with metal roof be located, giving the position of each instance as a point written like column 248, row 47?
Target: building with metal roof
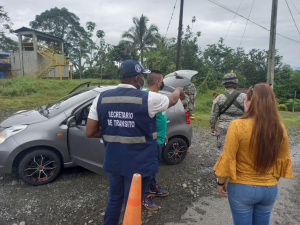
column 42, row 56
column 4, row 55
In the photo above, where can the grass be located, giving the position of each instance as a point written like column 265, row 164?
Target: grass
column 291, row 119
column 25, row 93
column 203, row 109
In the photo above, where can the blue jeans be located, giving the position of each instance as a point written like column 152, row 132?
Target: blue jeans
column 153, row 182
column 251, row 204
column 119, row 187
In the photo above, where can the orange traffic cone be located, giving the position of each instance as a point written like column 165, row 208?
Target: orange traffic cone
column 133, row 213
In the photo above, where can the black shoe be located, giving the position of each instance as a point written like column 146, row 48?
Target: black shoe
column 149, row 204
column 158, row 192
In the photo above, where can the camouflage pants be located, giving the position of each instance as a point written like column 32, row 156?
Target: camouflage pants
column 189, row 105
column 193, row 106
column 222, row 130
column 185, row 103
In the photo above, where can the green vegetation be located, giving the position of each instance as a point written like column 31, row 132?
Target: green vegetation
column 291, row 119
column 6, row 43
column 144, row 42
column 25, row 93
column 282, row 107
column 203, row 108
column 92, row 57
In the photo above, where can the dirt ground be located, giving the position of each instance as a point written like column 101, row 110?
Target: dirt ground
column 79, row 196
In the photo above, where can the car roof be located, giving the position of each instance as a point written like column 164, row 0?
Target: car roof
column 102, row 88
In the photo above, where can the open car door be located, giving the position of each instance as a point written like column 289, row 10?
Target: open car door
column 84, row 151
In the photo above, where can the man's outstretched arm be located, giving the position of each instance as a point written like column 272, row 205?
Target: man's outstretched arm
column 173, row 98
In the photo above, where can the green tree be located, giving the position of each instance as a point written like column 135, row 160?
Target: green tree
column 139, row 36
column 190, row 50
column 162, row 55
column 58, row 22
column 254, row 66
column 65, row 24
column 91, row 45
column 287, row 81
column 6, row 43
column 119, row 53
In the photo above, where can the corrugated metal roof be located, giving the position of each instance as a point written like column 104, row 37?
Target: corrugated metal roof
column 4, row 53
column 29, row 29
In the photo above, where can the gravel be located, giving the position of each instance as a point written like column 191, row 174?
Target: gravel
column 79, row 196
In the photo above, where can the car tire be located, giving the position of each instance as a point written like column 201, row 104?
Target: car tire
column 175, row 151
column 39, row 167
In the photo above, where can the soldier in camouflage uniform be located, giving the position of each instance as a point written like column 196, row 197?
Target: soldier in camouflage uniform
column 222, row 109
column 190, row 93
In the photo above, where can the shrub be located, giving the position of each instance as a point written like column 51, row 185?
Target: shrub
column 297, row 108
column 290, row 102
column 282, row 107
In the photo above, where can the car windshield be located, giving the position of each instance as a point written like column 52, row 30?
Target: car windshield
column 66, row 102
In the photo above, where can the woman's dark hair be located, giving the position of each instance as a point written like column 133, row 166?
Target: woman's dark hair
column 267, row 132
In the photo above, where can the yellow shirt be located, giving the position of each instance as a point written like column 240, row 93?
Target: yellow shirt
column 237, row 163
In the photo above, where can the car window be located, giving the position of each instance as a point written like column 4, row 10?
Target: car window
column 82, row 115
column 68, row 101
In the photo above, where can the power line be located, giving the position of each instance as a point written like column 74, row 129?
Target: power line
column 233, row 19
column 292, row 16
column 295, row 7
column 171, row 18
column 247, row 23
column 224, row 7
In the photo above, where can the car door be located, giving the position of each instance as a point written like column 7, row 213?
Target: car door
column 84, row 151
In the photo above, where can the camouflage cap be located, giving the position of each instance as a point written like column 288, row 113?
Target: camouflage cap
column 230, row 78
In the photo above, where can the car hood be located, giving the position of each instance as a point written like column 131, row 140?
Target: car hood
column 179, row 78
column 23, row 117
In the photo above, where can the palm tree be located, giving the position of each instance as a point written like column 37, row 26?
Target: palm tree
column 139, row 36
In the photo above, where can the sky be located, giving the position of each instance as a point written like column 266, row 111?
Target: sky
column 115, row 17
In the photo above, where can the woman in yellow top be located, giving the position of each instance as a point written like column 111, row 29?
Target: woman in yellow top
column 255, row 155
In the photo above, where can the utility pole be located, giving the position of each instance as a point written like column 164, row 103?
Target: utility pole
column 179, row 36
column 294, row 101
column 271, row 58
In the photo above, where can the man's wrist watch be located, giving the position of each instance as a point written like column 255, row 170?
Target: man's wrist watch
column 220, row 183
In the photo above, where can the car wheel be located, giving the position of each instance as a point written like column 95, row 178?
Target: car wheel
column 39, row 167
column 175, row 151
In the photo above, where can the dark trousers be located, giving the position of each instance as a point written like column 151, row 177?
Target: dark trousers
column 152, row 184
column 119, row 187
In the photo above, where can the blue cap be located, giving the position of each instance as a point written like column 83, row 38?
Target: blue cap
column 132, row 68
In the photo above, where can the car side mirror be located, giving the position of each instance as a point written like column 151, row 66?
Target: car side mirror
column 71, row 122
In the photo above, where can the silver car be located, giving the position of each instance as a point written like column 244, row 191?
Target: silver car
column 42, row 141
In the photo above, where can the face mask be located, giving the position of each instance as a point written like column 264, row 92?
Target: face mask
column 162, row 86
column 245, row 107
column 141, row 86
